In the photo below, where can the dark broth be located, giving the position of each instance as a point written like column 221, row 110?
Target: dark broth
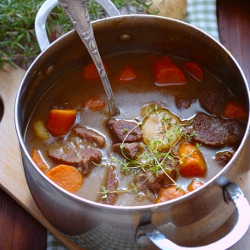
column 72, row 91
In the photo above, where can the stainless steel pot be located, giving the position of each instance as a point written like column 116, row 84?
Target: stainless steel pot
column 185, row 220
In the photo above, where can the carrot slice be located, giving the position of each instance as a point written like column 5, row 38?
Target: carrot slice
column 236, row 110
column 127, row 74
column 90, row 71
column 66, row 177
column 37, row 158
column 169, row 193
column 95, row 103
column 167, row 73
column 192, row 161
column 60, row 121
column 193, row 69
column 194, row 185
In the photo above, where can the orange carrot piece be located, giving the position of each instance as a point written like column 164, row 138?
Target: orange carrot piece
column 167, row 73
column 192, row 161
column 194, row 184
column 37, row 158
column 169, row 193
column 194, row 69
column 60, row 121
column 95, row 103
column 236, row 110
column 90, row 71
column 127, row 74
column 66, row 177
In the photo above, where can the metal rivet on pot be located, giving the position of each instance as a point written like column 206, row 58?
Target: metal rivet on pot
column 125, row 38
column 50, row 69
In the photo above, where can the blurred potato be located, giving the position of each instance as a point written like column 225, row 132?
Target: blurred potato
column 41, row 130
column 170, row 8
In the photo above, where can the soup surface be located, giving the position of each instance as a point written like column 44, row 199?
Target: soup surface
column 178, row 126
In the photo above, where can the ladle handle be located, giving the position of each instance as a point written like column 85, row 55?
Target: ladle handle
column 234, row 194
column 48, row 6
column 79, row 16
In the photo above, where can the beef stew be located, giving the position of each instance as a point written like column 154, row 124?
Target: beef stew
column 135, row 157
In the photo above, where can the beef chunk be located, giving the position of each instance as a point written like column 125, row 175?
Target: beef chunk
column 150, row 181
column 122, row 129
column 185, row 103
column 213, row 101
column 217, row 132
column 222, row 158
column 130, row 150
column 209, row 130
column 82, row 158
column 90, row 135
column 111, row 185
column 235, row 131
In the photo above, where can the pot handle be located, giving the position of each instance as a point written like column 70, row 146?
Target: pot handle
column 232, row 193
column 46, row 8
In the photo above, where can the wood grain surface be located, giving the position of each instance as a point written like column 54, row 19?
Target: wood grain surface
column 22, row 226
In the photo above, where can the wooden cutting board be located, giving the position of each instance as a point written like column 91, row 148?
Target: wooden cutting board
column 12, row 179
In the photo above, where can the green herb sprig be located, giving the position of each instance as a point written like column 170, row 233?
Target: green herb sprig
column 153, row 160
column 17, row 36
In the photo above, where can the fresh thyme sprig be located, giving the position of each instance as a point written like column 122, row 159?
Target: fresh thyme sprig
column 152, row 159
column 17, row 36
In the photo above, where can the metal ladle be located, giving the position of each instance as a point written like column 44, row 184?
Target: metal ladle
column 79, row 16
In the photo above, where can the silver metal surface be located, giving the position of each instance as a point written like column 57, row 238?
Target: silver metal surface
column 40, row 23
column 99, row 226
column 48, row 6
column 235, row 195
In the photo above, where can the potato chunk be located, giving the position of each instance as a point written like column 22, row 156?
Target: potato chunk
column 40, row 130
column 170, row 8
column 161, row 129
